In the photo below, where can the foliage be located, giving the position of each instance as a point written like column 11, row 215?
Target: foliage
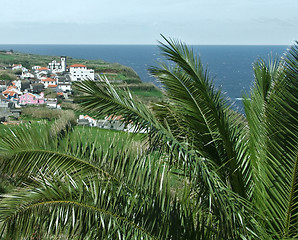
column 64, row 122
column 201, row 171
column 7, row 76
column 42, row 112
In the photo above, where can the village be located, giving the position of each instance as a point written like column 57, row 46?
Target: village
column 56, row 78
column 48, row 86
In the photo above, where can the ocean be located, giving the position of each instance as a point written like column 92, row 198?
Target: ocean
column 230, row 66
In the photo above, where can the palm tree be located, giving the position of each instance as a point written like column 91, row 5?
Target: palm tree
column 204, row 171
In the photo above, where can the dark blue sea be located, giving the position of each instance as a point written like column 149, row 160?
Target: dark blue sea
column 231, row 66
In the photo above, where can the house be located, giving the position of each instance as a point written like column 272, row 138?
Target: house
column 49, row 82
column 11, row 93
column 30, row 98
column 112, row 122
column 52, row 87
column 83, row 122
column 17, row 66
column 92, row 122
column 51, row 102
column 64, row 87
column 78, row 72
column 116, row 122
column 41, row 71
column 27, row 75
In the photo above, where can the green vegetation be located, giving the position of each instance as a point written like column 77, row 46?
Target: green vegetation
column 41, row 112
column 202, row 170
column 7, row 75
column 61, row 120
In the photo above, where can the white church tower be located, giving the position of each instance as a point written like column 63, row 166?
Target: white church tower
column 63, row 63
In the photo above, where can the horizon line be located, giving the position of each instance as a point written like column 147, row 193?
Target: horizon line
column 142, row 44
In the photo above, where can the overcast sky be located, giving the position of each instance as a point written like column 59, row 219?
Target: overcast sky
column 141, row 22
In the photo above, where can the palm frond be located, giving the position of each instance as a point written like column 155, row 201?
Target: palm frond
column 272, row 119
column 212, row 127
column 95, row 208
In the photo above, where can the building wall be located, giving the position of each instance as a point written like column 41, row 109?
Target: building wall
column 81, row 73
column 31, row 99
column 47, row 83
column 64, row 87
column 54, row 65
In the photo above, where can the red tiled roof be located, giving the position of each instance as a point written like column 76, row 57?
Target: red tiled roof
column 10, row 87
column 77, row 65
column 48, row 80
column 42, row 68
column 7, row 91
column 60, row 93
column 53, row 86
column 86, row 116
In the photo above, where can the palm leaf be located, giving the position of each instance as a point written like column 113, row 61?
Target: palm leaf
column 213, row 127
column 272, row 118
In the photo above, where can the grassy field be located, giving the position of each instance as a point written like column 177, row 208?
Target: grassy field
column 107, row 136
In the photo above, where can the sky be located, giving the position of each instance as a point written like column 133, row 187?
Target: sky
column 208, row 22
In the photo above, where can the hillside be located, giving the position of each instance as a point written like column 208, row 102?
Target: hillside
column 116, row 73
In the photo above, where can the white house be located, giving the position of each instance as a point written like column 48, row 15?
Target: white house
column 49, row 82
column 17, row 66
column 11, row 93
column 51, row 102
column 92, row 121
column 80, row 72
column 41, row 71
column 26, row 75
column 64, row 87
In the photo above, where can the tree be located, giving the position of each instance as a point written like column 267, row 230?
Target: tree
column 204, row 172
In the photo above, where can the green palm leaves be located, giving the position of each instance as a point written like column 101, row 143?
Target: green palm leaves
column 201, row 170
column 272, row 119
